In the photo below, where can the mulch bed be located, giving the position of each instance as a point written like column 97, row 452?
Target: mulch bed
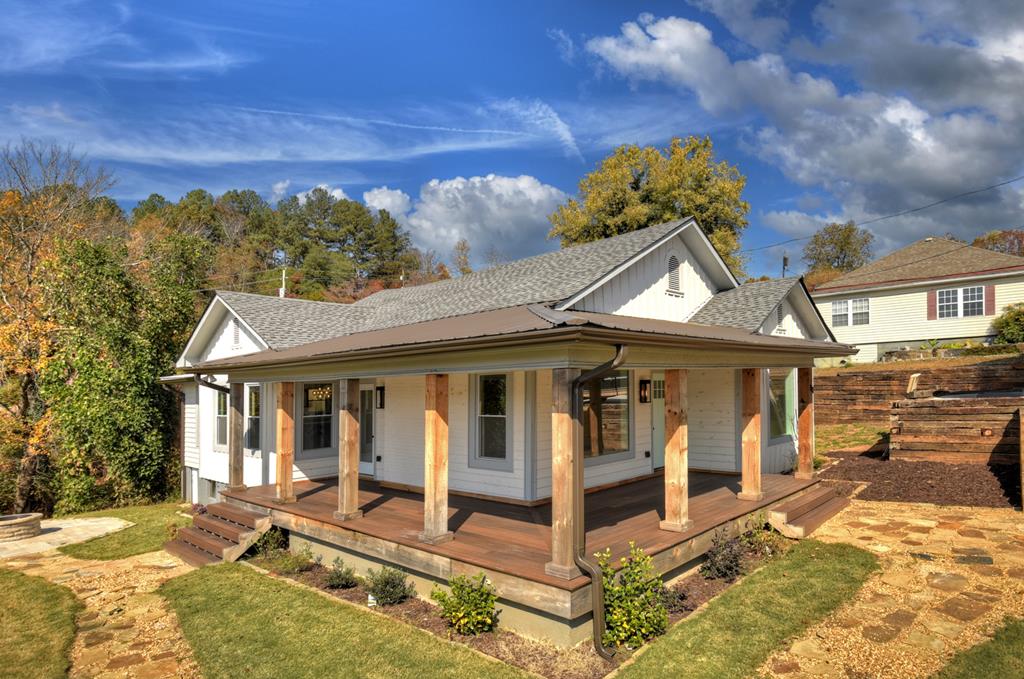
column 942, row 483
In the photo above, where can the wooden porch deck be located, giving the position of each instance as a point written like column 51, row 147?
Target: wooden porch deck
column 516, row 540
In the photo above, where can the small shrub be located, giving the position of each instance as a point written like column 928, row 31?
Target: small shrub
column 1009, row 325
column 761, row 540
column 673, row 599
column 198, row 508
column 469, row 609
column 274, row 540
column 634, row 610
column 340, row 576
column 724, row 561
column 389, row 586
column 285, row 562
column 172, row 530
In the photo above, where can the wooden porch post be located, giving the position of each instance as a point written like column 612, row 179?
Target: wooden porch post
column 235, row 433
column 285, row 441
column 566, row 444
column 348, row 452
column 677, row 465
column 750, row 400
column 805, row 423
column 435, row 462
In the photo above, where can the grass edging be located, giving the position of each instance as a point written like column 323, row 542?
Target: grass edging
column 1000, row 656
column 738, row 630
column 38, row 626
column 147, row 532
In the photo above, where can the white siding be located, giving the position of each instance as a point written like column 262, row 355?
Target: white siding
column 713, row 420
column 791, row 325
column 191, row 424
column 901, row 315
column 642, row 289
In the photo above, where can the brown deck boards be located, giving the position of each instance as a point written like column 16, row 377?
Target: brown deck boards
column 515, row 540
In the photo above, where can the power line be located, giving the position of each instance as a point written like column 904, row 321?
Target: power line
column 858, row 222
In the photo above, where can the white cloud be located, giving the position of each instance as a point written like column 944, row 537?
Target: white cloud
column 279, row 190
column 395, row 201
column 564, row 43
column 743, row 21
column 334, row 192
column 508, row 214
column 878, row 151
column 540, row 119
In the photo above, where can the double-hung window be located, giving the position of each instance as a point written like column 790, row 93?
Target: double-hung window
column 221, row 434
column 781, row 401
column 961, row 302
column 252, row 419
column 606, row 417
column 493, row 429
column 316, row 416
column 851, row 312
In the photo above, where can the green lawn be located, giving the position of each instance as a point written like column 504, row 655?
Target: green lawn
column 737, row 632
column 147, row 535
column 839, row 436
column 241, row 623
column 37, row 625
column 1001, row 656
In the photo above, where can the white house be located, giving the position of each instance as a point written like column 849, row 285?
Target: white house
column 456, row 426
column 934, row 289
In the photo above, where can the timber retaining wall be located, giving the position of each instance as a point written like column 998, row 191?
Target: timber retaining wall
column 984, row 428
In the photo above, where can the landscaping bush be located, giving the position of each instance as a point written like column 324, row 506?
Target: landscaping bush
column 274, row 540
column 761, row 540
column 1010, row 325
column 340, row 576
column 634, row 608
column 469, row 609
column 389, row 586
column 724, row 561
column 673, row 599
column 285, row 562
column 198, row 508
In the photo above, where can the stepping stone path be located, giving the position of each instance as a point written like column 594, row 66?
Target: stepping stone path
column 949, row 576
column 126, row 629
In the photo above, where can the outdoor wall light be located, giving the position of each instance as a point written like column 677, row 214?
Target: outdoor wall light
column 380, row 397
column 645, row 391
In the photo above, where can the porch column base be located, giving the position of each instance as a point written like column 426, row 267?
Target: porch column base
column 437, row 539
column 676, row 527
column 752, row 497
column 240, row 486
column 285, row 500
column 557, row 570
column 348, row 516
column 805, row 476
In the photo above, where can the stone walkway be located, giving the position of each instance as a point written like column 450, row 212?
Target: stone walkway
column 126, row 629
column 949, row 577
column 59, row 532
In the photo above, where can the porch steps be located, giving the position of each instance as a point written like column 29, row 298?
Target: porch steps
column 223, row 533
column 799, row 518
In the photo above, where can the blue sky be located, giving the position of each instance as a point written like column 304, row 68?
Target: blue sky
column 476, row 119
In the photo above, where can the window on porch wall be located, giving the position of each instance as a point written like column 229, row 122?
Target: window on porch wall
column 492, row 417
column 252, row 420
column 222, row 419
column 781, row 401
column 606, row 417
column 316, row 416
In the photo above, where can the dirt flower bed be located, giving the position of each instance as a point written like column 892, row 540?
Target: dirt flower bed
column 580, row 662
column 941, row 483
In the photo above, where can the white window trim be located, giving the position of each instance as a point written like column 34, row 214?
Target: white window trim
column 216, row 417
column 475, row 460
column 790, row 436
column 254, row 452
column 630, row 452
column 300, row 395
column 849, row 311
column 959, row 292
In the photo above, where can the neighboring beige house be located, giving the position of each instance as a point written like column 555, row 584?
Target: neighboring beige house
column 934, row 289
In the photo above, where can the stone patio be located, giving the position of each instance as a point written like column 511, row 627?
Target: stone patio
column 59, row 532
column 949, row 576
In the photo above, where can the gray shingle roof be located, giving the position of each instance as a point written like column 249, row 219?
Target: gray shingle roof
column 931, row 258
column 287, row 322
column 747, row 306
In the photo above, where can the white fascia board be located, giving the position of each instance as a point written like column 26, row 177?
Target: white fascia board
column 182, row 362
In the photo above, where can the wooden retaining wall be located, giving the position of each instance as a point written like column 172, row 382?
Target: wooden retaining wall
column 850, row 395
column 982, row 430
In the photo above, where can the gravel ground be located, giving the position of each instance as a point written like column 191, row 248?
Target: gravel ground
column 941, row 483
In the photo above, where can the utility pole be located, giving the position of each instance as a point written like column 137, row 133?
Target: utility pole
column 785, row 264
column 280, row 290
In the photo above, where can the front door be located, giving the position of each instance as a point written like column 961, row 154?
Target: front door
column 658, row 419
column 366, row 430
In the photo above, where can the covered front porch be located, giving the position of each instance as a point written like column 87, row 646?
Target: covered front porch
column 511, row 539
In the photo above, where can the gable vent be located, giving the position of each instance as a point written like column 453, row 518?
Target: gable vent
column 673, row 273
column 235, row 340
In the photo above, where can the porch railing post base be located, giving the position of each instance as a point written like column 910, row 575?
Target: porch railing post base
column 348, row 516
column 436, row 539
column 558, row 570
column 752, row 497
column 676, row 527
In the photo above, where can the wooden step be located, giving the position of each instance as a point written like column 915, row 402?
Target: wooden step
column 807, row 523
column 189, row 554
column 787, row 512
column 229, row 530
column 234, row 514
column 200, row 539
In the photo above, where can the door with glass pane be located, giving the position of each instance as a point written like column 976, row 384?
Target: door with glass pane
column 658, row 420
column 366, row 430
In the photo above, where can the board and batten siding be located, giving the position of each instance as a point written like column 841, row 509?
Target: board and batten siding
column 642, row 290
column 901, row 315
column 712, row 424
column 791, row 325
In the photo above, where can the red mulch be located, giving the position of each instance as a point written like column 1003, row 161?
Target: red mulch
column 942, row 483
